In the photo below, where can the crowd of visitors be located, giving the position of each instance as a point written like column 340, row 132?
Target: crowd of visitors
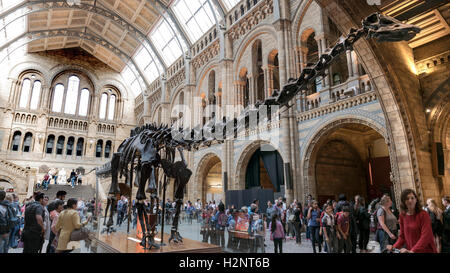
column 37, row 220
column 334, row 227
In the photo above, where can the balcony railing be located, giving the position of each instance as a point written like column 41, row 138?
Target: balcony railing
column 338, row 106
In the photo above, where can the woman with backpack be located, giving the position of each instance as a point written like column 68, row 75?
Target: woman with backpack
column 387, row 223
column 436, row 222
column 276, row 233
column 363, row 225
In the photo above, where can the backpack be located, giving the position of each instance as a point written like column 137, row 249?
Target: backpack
column 222, row 221
column 257, row 226
column 7, row 218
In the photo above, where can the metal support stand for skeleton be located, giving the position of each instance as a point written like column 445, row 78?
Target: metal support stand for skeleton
column 163, row 213
column 147, row 142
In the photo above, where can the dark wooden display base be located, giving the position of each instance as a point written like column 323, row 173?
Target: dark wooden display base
column 119, row 242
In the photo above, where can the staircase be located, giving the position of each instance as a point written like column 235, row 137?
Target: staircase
column 84, row 192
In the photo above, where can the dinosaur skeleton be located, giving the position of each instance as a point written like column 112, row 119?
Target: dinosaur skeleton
column 151, row 147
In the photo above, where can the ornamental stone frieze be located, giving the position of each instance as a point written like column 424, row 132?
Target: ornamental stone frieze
column 251, row 20
column 176, row 80
column 206, row 55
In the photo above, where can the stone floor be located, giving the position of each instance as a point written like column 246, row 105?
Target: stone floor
column 192, row 231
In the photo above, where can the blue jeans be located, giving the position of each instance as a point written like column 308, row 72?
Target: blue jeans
column 45, row 184
column 72, row 180
column 13, row 240
column 56, row 178
column 4, row 243
column 315, row 238
column 383, row 238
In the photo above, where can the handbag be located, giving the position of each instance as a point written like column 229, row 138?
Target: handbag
column 79, row 234
column 291, row 218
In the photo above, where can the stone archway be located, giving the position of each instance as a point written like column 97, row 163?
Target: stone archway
column 320, row 138
column 244, row 158
column 203, row 175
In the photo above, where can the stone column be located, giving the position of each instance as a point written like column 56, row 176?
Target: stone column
column 270, row 86
column 13, row 91
column 355, row 64
column 252, row 88
column 349, row 64
column 146, row 115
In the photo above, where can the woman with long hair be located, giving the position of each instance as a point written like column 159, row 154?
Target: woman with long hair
column 276, row 233
column 436, row 221
column 416, row 235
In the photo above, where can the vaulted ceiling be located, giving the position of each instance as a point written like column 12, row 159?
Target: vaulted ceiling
column 94, row 17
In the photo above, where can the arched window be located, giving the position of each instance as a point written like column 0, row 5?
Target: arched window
column 99, row 148
column 25, row 93
column 80, row 144
column 103, row 102
column 60, row 145
column 50, row 144
column 16, row 141
column 108, row 149
column 84, row 103
column 70, row 143
column 35, row 95
column 112, row 107
column 72, row 95
column 58, row 98
column 27, row 142
column 108, row 104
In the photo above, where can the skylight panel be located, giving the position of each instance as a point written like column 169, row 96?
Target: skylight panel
column 7, row 4
column 196, row 16
column 12, row 26
column 165, row 40
column 134, row 82
column 147, row 63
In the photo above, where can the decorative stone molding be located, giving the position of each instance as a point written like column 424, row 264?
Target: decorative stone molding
column 337, row 106
column 251, row 19
column 206, row 55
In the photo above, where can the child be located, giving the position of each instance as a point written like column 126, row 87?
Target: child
column 343, row 227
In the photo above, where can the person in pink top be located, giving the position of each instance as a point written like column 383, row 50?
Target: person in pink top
column 277, row 233
column 416, row 235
